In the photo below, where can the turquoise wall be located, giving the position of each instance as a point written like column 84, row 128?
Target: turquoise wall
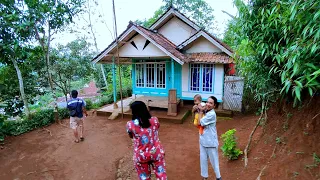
column 157, row 91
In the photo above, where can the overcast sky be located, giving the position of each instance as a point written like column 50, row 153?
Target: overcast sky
column 127, row 10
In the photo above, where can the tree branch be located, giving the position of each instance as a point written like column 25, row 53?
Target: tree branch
column 38, row 37
column 56, row 83
column 233, row 17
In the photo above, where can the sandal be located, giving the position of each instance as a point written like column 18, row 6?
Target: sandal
column 82, row 139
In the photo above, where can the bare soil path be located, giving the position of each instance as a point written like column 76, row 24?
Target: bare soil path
column 38, row 155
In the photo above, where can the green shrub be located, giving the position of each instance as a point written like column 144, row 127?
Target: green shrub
column 229, row 147
column 96, row 105
column 104, row 100
column 2, row 119
column 63, row 113
column 88, row 104
column 36, row 120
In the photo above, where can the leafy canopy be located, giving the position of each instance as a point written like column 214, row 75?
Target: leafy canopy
column 277, row 45
column 197, row 10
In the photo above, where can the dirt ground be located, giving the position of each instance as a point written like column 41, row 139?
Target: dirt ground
column 106, row 152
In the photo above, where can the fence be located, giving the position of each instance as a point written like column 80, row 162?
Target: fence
column 233, row 92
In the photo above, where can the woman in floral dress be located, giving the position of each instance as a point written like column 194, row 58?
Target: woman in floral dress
column 148, row 151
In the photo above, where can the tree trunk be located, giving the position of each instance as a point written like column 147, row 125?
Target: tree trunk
column 23, row 95
column 50, row 75
column 96, row 45
column 104, row 76
column 246, row 150
column 46, row 49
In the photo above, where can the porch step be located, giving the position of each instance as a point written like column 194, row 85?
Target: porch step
column 224, row 113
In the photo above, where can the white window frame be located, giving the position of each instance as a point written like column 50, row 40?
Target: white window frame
column 191, row 70
column 201, row 68
column 162, row 85
column 139, row 67
column 210, row 87
column 149, row 68
column 145, row 67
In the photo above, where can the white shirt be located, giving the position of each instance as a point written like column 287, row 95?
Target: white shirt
column 209, row 138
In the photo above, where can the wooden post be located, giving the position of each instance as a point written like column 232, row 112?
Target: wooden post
column 56, row 116
column 115, row 106
column 172, row 73
column 172, row 103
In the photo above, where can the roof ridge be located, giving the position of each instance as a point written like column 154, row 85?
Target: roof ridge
column 177, row 11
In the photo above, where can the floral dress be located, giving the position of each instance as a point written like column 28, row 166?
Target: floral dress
column 148, row 151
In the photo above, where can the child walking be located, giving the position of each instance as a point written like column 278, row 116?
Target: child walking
column 197, row 102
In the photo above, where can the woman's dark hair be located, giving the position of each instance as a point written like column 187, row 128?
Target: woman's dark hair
column 140, row 112
column 215, row 101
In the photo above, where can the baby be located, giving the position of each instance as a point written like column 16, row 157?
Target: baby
column 197, row 101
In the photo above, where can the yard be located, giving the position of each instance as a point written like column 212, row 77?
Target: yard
column 106, row 152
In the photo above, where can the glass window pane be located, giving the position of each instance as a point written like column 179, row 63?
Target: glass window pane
column 139, row 75
column 161, row 75
column 207, row 77
column 195, row 77
column 150, row 75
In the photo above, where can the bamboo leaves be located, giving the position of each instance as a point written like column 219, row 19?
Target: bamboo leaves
column 285, row 45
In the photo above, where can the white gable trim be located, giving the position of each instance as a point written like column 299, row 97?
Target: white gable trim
column 179, row 15
column 209, row 38
column 113, row 46
column 160, row 47
column 133, row 28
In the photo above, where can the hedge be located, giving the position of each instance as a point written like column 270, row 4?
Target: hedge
column 38, row 119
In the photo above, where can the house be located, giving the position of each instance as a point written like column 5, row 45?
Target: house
column 174, row 53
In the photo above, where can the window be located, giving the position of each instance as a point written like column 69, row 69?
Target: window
column 151, row 75
column 139, row 75
column 195, row 77
column 161, row 75
column 201, row 77
column 207, row 70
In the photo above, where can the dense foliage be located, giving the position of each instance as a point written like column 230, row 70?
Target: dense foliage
column 70, row 63
column 277, row 46
column 38, row 119
column 197, row 10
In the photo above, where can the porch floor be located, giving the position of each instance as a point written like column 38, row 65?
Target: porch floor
column 157, row 108
column 161, row 113
column 155, row 101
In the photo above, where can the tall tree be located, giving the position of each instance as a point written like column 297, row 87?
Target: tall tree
column 90, row 24
column 71, row 62
column 9, row 82
column 15, row 34
column 197, row 10
column 50, row 17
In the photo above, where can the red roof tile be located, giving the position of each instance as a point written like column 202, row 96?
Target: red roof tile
column 210, row 58
column 164, row 42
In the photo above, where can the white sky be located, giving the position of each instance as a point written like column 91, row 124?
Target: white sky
column 127, row 10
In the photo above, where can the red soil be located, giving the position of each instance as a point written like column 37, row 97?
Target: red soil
column 37, row 155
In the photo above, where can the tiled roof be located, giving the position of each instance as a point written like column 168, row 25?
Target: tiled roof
column 164, row 42
column 172, row 49
column 210, row 58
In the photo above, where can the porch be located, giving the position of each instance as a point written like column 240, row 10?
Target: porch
column 158, row 107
